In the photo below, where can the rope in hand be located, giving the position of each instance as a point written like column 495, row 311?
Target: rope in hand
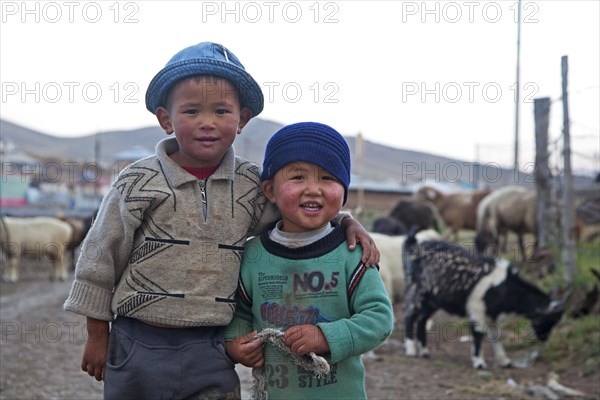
column 310, row 361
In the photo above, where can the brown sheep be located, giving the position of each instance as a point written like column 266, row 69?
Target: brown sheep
column 81, row 226
column 458, row 210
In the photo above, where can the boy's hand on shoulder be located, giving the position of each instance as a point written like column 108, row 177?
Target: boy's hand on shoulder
column 302, row 339
column 246, row 350
column 355, row 232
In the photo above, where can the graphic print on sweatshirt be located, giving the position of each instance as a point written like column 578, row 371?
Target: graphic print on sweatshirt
column 284, row 308
column 298, row 297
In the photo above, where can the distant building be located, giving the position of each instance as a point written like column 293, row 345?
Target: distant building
column 383, row 196
column 16, row 167
column 13, row 191
column 380, row 196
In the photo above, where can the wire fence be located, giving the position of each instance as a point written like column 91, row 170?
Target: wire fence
column 585, row 153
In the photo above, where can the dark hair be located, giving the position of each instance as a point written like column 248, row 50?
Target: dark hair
column 198, row 78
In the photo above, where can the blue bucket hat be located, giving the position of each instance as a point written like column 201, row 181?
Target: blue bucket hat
column 311, row 142
column 205, row 58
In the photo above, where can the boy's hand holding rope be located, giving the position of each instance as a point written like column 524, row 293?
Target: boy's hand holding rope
column 300, row 343
column 308, row 360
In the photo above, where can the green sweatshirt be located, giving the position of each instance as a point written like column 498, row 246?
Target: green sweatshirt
column 322, row 284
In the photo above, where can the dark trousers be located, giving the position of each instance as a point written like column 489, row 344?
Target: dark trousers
column 146, row 362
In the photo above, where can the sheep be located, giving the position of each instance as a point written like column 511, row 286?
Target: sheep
column 509, row 208
column 389, row 226
column 390, row 260
column 458, row 210
column 81, row 226
column 36, row 236
column 462, row 282
column 410, row 213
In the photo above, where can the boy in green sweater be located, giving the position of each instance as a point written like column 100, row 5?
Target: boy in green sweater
column 300, row 278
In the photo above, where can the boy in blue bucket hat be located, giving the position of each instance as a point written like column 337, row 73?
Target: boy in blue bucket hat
column 158, row 270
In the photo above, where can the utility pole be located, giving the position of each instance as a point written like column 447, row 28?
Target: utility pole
column 518, row 86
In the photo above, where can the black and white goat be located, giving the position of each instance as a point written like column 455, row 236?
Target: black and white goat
column 442, row 275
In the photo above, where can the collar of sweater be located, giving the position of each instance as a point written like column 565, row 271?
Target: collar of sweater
column 176, row 175
column 316, row 248
column 293, row 239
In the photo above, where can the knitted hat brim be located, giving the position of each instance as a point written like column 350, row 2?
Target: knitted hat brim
column 250, row 92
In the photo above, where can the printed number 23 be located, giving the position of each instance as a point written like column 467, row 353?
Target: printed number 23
column 277, row 375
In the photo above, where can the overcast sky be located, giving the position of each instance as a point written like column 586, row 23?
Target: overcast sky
column 435, row 76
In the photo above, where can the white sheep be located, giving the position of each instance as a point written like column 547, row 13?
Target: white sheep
column 35, row 237
column 390, row 260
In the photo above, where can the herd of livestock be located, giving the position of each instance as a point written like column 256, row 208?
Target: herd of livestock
column 490, row 214
column 421, row 269
column 425, row 272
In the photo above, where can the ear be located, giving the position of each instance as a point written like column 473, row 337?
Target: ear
column 164, row 120
column 267, row 187
column 245, row 116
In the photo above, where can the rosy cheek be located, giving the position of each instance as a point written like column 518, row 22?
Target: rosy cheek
column 288, row 194
column 337, row 192
column 182, row 125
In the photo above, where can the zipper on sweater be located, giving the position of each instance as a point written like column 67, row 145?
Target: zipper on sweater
column 203, row 194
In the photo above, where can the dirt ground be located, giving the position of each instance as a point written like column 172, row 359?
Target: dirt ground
column 41, row 348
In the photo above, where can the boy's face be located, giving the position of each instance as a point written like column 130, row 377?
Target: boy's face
column 307, row 196
column 205, row 114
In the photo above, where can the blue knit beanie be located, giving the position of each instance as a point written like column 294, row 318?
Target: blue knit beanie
column 311, row 142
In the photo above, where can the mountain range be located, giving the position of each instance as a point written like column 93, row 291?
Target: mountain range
column 381, row 163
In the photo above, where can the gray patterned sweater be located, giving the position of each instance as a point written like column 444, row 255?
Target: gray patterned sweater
column 156, row 254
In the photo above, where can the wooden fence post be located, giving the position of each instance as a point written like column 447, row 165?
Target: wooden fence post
column 543, row 177
column 568, row 206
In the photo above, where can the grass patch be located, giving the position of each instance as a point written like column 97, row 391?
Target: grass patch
column 575, row 342
column 367, row 217
column 443, row 364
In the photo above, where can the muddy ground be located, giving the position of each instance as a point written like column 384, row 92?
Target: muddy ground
column 41, row 348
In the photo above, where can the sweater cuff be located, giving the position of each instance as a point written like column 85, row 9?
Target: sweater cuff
column 90, row 301
column 340, row 216
column 236, row 329
column 339, row 340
